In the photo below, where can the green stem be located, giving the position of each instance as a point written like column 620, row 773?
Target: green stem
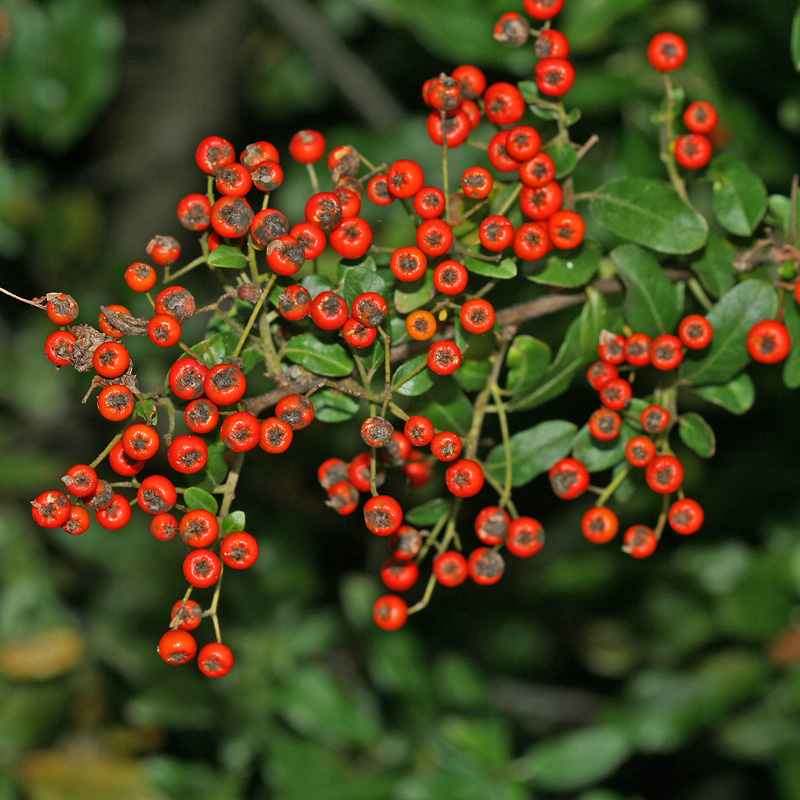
column 668, row 142
column 256, row 310
column 613, row 486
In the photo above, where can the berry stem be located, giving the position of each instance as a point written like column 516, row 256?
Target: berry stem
column 668, row 142
column 613, row 486
column 503, row 420
column 256, row 311
column 22, row 299
column 313, row 176
column 426, row 597
column 106, row 451
column 183, row 270
column 699, row 294
column 445, row 176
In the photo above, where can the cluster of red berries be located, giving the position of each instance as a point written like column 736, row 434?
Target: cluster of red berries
column 522, row 536
column 667, row 52
column 648, row 450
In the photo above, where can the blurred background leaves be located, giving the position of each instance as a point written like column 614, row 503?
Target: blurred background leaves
column 581, row 675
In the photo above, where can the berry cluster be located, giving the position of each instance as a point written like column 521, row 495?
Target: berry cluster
column 383, row 326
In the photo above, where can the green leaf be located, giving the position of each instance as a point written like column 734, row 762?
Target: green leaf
column 359, row 280
column 472, row 375
column 596, row 455
column 195, row 497
column 649, row 213
column 317, row 356
column 732, row 317
column 791, row 367
column 343, row 267
column 216, row 348
column 795, row 40
column 333, row 406
column 413, row 294
column 417, row 385
column 428, row 513
column 569, row 271
column 575, row 760
column 527, row 360
column 565, row 157
column 316, row 284
column 216, row 468
column 697, row 435
column 234, row 522
column 715, row 268
column 558, row 376
column 595, row 317
column 737, row 396
column 739, row 195
column 227, row 257
column 507, row 268
column 533, row 451
column 652, row 302
column 147, row 410
column 446, row 406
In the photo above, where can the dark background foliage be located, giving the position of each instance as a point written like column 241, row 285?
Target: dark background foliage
column 583, row 674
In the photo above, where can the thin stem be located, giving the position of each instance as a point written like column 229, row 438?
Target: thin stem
column 183, row 270
column 387, row 365
column 254, row 315
column 22, row 299
column 503, row 420
column 106, row 451
column 313, row 175
column 668, row 142
column 699, row 294
column 426, row 598
column 613, row 486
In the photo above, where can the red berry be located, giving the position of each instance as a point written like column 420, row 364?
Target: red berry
column 239, row 550
column 215, row 660
column 450, row 568
column 491, row 525
column 685, row 516
column 569, row 478
column 202, row 568
column 503, row 104
column 58, row 347
column 198, row 528
column 700, row 117
column 307, row 146
column 164, row 527
column 405, row 178
column 275, row 435
column 664, row 474
column 241, row 431
column 390, row 612
column 225, row 384
column 639, row 541
column 156, row 494
column 343, row 497
column 177, row 647
column 296, row 409
column 477, row 316
column 654, row 419
column 434, row 237
column 599, row 524
column 769, row 341
column 525, row 537
column 640, row 450
column 140, row 277
column 383, row 515
column 213, row 152
column 329, row 311
column 80, row 480
column 554, row 76
column 450, row 277
column 399, row 574
column 543, row 9
column 116, row 515
column 189, row 613
column 464, row 478
column 444, row 357
column 566, row 229
column 164, row 330
column 695, row 331
column 51, row 509
column 605, row 424
column 187, row 454
column 666, row 352
column 419, row 430
column 693, row 150
column 496, row 233
column 485, row 566
column 667, row 51
column 637, row 349
column 446, row 446
column 140, row 441
column 616, row 394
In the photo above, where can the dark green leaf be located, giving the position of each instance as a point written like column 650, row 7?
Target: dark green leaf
column 317, row 356
column 216, row 348
column 593, row 24
column 507, row 268
column 195, row 497
column 737, row 396
column 410, row 296
column 487, row 740
column 791, row 367
column 732, row 317
column 568, row 271
column 595, row 317
column 333, row 406
column 216, row 468
column 571, row 118
column 359, row 280
column 343, row 267
column 234, row 522
column 472, row 375
column 446, row 406
column 417, row 385
column 228, row 257
column 564, row 156
column 527, row 360
column 739, row 195
column 533, row 451
column 652, row 302
column 795, row 40
column 596, row 455
column 558, row 376
column 575, row 760
column 649, row 213
column 697, row 435
column 316, row 284
column 147, row 410
column 529, row 90
column 427, row 514
column 715, row 267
